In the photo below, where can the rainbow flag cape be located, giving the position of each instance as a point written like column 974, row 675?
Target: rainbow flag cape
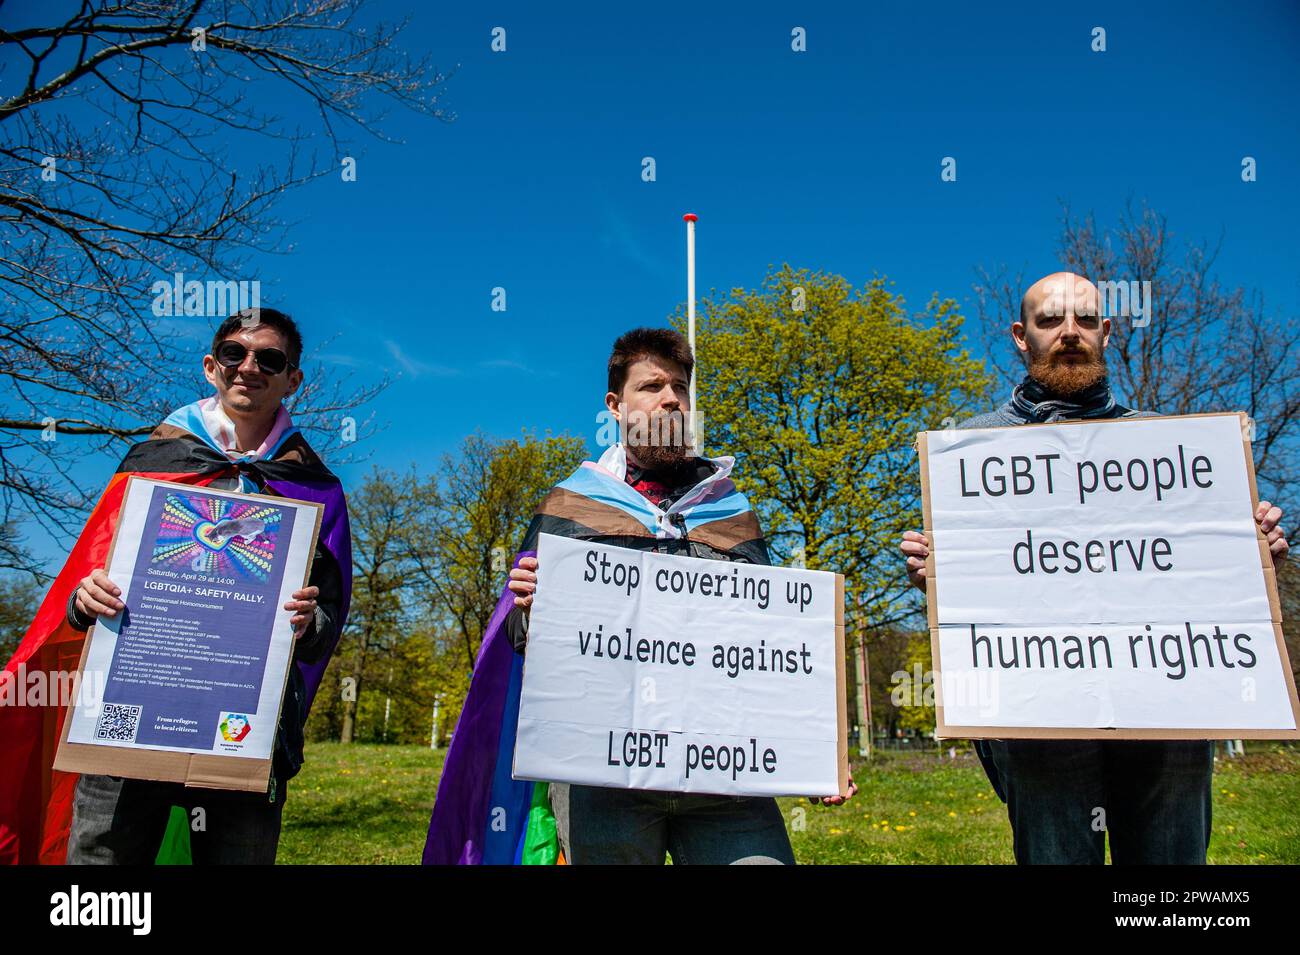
column 36, row 800
column 482, row 815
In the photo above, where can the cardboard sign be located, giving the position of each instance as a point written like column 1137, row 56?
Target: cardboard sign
column 1102, row 579
column 650, row 671
column 185, row 685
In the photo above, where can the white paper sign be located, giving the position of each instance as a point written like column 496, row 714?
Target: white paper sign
column 1101, row 575
column 650, row 671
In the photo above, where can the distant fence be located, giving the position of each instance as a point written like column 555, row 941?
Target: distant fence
column 904, row 743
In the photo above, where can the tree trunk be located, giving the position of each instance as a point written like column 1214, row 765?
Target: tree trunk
column 350, row 706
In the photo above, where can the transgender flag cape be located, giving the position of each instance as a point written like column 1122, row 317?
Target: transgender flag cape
column 35, row 800
column 481, row 815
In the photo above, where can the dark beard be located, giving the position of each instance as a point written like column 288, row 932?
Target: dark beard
column 1067, row 379
column 666, row 444
column 658, row 457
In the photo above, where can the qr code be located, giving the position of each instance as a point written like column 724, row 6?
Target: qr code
column 118, row 722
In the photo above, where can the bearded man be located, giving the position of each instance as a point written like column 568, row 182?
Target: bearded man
column 649, row 491
column 1154, row 796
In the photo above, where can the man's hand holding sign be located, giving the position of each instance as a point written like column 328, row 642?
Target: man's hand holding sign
column 97, row 596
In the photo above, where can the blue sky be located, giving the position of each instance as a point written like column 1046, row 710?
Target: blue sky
column 828, row 159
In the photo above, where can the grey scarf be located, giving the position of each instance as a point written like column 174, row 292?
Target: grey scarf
column 1031, row 400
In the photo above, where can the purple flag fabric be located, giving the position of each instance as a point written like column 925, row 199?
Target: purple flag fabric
column 461, row 808
column 335, row 537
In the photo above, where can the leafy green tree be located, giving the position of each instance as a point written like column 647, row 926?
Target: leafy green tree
column 381, row 513
column 473, row 514
column 819, row 390
column 430, row 556
column 888, row 655
column 914, row 694
column 19, row 599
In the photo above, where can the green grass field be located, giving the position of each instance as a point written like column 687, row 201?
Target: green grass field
column 367, row 804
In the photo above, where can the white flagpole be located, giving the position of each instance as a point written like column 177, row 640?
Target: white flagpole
column 697, row 439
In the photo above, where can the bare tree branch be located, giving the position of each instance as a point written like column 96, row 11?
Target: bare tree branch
column 1208, row 345
column 134, row 145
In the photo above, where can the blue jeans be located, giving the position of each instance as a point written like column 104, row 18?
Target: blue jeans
column 119, row 821
column 1063, row 796
column 600, row 826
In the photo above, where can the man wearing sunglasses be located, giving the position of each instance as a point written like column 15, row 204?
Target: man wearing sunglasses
column 241, row 438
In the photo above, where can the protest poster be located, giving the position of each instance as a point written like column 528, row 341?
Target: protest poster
column 654, row 671
column 1102, row 579
column 185, row 684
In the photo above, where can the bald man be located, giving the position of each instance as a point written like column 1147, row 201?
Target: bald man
column 1155, row 794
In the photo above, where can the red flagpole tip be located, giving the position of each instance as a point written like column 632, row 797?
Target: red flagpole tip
column 690, row 217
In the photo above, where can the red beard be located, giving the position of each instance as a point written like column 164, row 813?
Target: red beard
column 1067, row 378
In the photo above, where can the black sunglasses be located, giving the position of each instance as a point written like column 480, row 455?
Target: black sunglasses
column 272, row 361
